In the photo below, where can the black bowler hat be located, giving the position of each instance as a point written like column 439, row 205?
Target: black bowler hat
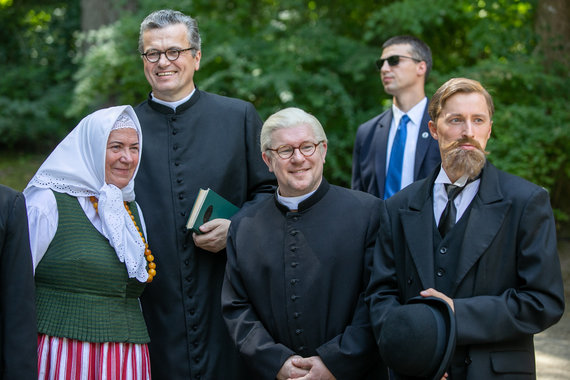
column 418, row 339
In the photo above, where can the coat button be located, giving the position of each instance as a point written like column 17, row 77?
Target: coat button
column 299, row 331
column 443, row 250
column 294, row 298
column 294, row 264
column 440, row 272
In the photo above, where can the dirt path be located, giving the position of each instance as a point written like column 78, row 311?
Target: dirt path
column 553, row 345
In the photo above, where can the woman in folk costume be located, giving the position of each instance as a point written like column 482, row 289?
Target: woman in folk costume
column 90, row 257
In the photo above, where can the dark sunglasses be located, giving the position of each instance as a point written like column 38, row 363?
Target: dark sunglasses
column 393, row 60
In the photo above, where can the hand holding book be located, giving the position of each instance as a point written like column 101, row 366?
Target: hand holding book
column 207, row 206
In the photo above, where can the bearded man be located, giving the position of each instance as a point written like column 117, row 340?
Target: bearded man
column 481, row 239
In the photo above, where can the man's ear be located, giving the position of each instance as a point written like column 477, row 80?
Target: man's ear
column 267, row 159
column 197, row 59
column 422, row 68
column 432, row 129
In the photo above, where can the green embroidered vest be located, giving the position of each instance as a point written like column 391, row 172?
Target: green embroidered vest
column 83, row 291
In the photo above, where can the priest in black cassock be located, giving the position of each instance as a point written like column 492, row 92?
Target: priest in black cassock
column 193, row 139
column 298, row 265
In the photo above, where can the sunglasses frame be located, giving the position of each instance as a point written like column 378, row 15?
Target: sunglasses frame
column 393, row 60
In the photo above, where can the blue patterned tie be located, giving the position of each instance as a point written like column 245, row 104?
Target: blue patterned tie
column 394, row 174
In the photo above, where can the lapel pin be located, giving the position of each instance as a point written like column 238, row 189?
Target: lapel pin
column 425, row 135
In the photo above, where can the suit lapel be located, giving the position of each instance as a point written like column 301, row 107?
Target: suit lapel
column 417, row 222
column 487, row 214
column 380, row 146
column 424, row 139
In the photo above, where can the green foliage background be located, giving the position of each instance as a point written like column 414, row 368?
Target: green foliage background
column 317, row 55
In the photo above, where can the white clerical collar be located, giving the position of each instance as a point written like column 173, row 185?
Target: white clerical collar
column 175, row 104
column 292, row 203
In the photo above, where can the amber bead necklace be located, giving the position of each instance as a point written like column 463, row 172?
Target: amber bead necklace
column 147, row 253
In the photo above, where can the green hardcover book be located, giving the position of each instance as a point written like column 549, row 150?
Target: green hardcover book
column 207, row 206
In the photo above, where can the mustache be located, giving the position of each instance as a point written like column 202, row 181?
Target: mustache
column 465, row 140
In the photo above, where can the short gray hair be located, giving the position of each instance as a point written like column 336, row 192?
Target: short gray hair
column 166, row 17
column 289, row 118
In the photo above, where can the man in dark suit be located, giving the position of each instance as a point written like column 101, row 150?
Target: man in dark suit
column 395, row 148
column 18, row 330
column 490, row 251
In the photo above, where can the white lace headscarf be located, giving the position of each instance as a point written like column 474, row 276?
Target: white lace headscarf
column 77, row 167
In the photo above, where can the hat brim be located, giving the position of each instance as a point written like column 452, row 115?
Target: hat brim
column 449, row 317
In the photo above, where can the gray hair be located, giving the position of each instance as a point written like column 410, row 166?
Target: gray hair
column 289, row 118
column 420, row 50
column 166, row 17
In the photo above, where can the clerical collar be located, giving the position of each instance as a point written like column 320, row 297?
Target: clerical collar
column 292, row 203
column 175, row 104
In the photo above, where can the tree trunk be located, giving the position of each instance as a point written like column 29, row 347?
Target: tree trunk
column 97, row 13
column 553, row 27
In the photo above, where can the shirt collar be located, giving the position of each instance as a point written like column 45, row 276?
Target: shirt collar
column 444, row 179
column 416, row 113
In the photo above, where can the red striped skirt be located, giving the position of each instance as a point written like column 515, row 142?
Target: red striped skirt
column 68, row 359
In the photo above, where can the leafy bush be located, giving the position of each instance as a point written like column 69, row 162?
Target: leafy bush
column 316, row 55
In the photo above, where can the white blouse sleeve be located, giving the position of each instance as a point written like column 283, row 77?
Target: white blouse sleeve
column 42, row 221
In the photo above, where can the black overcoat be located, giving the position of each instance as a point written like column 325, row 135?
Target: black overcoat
column 507, row 285
column 18, row 330
column 295, row 283
column 210, row 141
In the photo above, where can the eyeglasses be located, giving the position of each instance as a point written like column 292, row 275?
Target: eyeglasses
column 171, row 54
column 393, row 60
column 306, row 148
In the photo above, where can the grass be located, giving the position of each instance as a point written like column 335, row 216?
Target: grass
column 17, row 168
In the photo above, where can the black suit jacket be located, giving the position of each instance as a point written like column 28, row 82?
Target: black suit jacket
column 18, row 331
column 370, row 151
column 507, row 285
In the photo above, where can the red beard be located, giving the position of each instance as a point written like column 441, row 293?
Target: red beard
column 458, row 161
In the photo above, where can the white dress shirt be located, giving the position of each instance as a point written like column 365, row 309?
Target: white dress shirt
column 463, row 199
